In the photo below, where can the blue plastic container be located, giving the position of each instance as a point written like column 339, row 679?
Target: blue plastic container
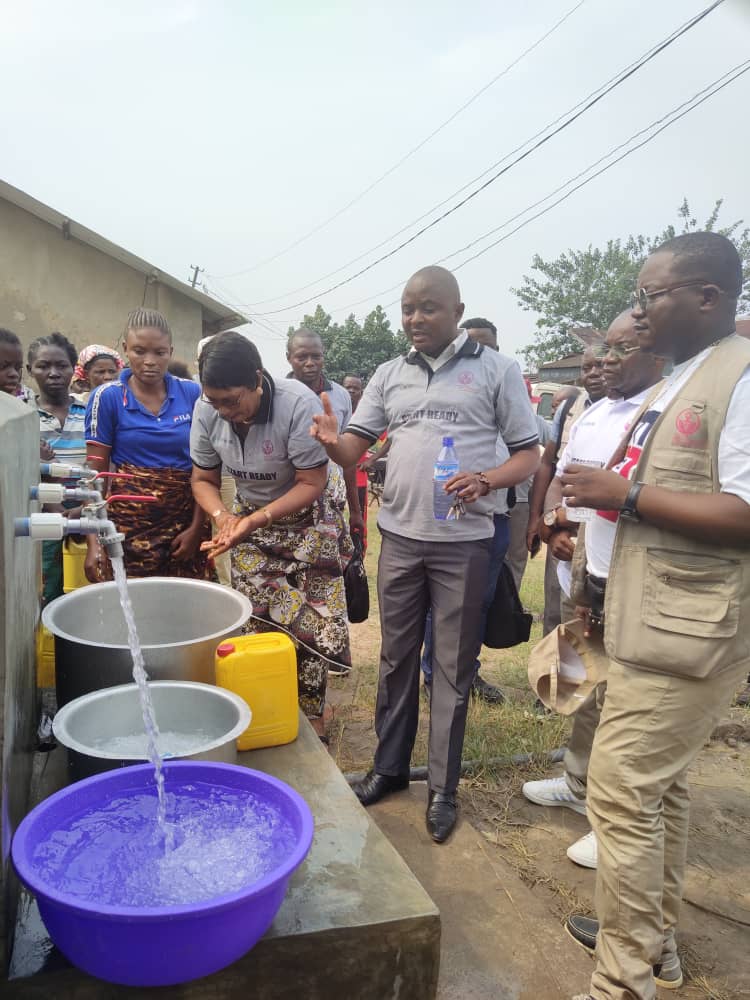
column 159, row 946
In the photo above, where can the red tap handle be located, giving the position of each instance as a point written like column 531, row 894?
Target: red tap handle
column 135, row 497
column 115, row 475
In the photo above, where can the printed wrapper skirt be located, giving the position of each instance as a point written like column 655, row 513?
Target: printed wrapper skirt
column 150, row 528
column 293, row 573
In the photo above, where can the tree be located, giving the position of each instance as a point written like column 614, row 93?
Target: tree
column 590, row 287
column 352, row 349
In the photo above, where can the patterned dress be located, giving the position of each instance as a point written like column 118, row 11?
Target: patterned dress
column 293, row 573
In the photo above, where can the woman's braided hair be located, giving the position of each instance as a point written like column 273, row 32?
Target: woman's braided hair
column 140, row 319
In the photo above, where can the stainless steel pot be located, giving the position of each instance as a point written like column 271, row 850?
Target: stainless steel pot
column 180, row 623
column 91, row 726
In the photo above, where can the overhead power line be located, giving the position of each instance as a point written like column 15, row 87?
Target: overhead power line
column 569, row 120
column 415, row 149
column 664, row 123
column 460, row 190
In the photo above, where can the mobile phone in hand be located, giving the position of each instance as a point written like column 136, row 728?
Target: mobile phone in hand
column 535, row 546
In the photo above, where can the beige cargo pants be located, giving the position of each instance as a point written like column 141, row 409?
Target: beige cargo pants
column 651, row 729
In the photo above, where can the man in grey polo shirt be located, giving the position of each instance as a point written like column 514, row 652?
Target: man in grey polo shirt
column 446, row 385
column 306, row 355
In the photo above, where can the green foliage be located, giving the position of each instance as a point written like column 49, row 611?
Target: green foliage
column 591, row 287
column 354, row 349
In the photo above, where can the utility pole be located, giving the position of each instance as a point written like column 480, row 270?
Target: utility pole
column 196, row 271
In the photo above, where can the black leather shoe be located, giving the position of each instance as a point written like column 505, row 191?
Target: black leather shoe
column 583, row 930
column 487, row 692
column 374, row 787
column 441, row 816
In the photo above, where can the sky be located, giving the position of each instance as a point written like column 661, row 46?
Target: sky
column 219, row 133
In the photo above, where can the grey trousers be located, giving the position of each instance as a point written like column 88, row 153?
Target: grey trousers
column 517, row 554
column 552, row 595
column 451, row 578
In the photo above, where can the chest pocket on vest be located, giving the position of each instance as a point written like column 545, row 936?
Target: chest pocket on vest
column 682, row 469
column 691, row 595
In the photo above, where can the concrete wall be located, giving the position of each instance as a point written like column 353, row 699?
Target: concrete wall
column 49, row 283
column 19, row 609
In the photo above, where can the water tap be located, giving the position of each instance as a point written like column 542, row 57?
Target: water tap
column 54, row 527
column 93, row 520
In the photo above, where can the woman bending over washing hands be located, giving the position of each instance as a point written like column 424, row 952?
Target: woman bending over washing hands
column 286, row 531
column 141, row 424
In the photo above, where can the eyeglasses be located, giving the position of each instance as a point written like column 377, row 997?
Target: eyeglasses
column 640, row 296
column 620, row 352
column 227, row 404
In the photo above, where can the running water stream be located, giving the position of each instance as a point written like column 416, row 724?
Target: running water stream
column 147, row 706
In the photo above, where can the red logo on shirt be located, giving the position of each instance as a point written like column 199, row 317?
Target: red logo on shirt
column 688, row 423
column 466, row 378
column 267, row 447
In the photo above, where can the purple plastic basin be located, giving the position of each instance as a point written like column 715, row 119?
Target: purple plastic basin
column 159, row 946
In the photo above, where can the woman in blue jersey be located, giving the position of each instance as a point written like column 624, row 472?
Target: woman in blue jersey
column 141, row 425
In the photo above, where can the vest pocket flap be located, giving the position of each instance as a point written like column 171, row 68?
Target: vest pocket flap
column 682, row 469
column 691, row 594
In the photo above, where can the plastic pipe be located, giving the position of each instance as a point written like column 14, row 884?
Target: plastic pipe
column 56, row 493
column 469, row 766
column 59, row 471
column 54, row 527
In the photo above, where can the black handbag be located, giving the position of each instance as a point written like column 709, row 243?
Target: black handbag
column 507, row 623
column 355, row 584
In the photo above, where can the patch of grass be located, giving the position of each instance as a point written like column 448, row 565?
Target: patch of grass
column 491, row 731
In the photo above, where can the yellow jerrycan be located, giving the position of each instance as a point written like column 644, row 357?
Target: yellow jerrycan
column 262, row 669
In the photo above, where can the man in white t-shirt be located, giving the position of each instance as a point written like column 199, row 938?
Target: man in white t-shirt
column 629, row 374
column 677, row 607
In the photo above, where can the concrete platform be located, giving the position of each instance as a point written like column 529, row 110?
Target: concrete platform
column 355, row 924
column 500, row 941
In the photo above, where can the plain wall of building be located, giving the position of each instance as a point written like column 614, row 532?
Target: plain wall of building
column 19, row 612
column 51, row 283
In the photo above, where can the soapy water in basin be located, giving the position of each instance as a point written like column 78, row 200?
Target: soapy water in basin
column 170, row 743
column 224, row 840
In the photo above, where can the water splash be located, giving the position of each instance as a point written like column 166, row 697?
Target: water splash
column 147, row 706
column 227, row 839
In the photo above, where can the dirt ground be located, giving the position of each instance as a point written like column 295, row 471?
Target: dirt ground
column 715, row 925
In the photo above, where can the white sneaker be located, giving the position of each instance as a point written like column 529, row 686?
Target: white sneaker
column 584, row 852
column 552, row 792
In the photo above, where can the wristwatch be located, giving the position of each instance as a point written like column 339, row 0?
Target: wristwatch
column 550, row 517
column 630, row 507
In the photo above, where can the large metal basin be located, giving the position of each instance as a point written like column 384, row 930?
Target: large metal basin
column 180, row 623
column 90, row 726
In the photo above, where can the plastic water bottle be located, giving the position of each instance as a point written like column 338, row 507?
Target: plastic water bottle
column 446, row 468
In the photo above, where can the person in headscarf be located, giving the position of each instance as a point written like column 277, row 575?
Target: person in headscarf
column 96, row 365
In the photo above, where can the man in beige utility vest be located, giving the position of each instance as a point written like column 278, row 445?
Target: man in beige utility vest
column 677, row 604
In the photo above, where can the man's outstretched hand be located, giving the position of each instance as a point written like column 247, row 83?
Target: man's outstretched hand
column 325, row 426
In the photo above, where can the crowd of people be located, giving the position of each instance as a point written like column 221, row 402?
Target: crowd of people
column 639, row 488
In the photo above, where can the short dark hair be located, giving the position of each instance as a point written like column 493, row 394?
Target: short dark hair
column 229, row 359
column 304, row 331
column 179, row 368
column 711, row 255
column 352, row 375
column 8, row 337
column 479, row 323
column 53, row 340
